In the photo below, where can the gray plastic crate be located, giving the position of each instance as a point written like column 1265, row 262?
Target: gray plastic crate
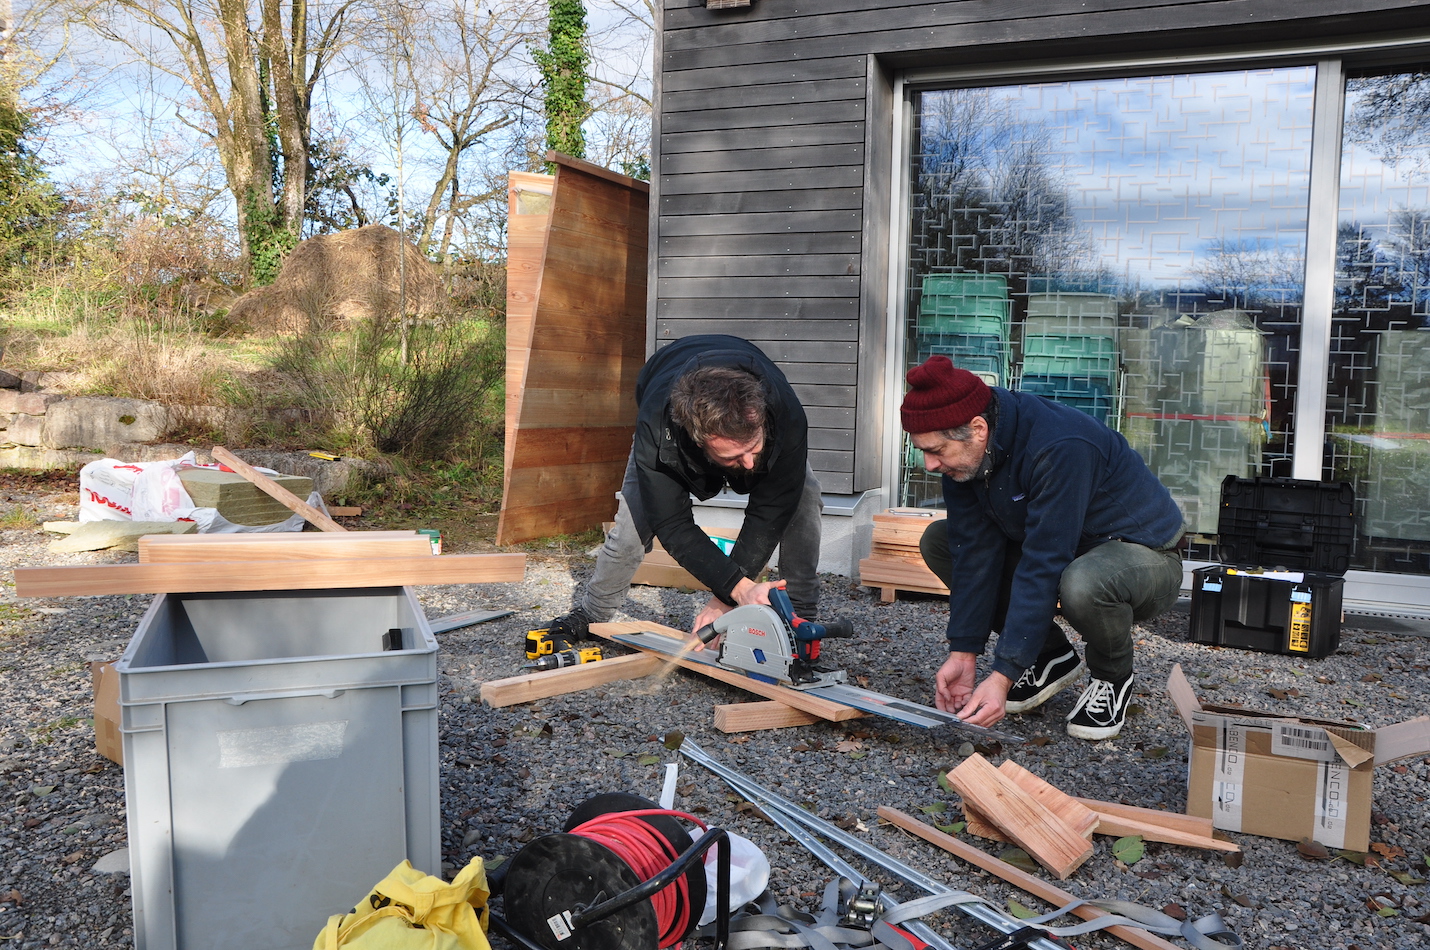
column 279, row 761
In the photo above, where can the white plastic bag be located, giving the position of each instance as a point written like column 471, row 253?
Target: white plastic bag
column 110, row 490
column 749, row 874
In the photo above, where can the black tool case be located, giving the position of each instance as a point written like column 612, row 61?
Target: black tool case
column 1285, row 545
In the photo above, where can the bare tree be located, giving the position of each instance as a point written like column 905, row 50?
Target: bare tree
column 252, row 66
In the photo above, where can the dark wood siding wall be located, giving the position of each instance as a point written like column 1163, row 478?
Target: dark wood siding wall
column 771, row 182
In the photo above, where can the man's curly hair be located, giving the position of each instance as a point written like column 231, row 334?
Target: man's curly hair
column 719, row 402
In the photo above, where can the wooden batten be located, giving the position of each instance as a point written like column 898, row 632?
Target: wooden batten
column 1020, row 816
column 276, row 547
column 572, row 679
column 751, row 717
column 343, row 573
column 572, row 365
column 823, row 708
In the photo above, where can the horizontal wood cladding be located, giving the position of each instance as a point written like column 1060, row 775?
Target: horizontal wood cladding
column 748, row 159
column 781, row 265
column 754, row 117
column 844, row 67
column 736, row 202
column 756, row 329
column 805, row 242
column 841, row 440
column 678, row 287
column 830, row 133
column 772, row 224
column 733, row 309
column 770, row 179
column 771, row 94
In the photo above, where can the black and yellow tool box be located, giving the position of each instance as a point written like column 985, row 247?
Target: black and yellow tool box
column 1285, row 545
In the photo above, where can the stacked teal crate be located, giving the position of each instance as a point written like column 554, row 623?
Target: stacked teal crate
column 965, row 317
column 1070, row 352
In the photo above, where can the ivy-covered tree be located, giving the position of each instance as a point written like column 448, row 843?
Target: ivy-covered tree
column 563, row 75
column 30, row 205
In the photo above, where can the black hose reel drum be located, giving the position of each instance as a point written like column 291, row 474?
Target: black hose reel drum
column 568, row 892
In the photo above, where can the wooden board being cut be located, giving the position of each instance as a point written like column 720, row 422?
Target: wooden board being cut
column 268, row 575
column 768, row 714
column 278, row 547
column 823, row 708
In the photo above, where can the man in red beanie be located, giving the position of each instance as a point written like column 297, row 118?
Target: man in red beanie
column 1046, row 506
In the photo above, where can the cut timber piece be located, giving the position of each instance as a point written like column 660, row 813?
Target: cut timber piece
column 1129, row 820
column 660, row 569
column 750, row 717
column 341, row 511
column 268, row 575
column 1038, row 831
column 571, row 679
column 823, row 708
column 312, row 515
column 295, row 547
column 1022, row 879
column 1073, row 813
column 1171, row 820
column 976, row 823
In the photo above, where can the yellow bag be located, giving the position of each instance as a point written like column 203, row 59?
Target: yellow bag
column 409, row 910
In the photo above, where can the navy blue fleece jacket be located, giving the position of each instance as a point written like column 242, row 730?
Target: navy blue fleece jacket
column 1061, row 483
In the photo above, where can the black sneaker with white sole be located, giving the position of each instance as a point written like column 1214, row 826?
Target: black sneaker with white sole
column 1101, row 710
column 573, row 626
column 1044, row 680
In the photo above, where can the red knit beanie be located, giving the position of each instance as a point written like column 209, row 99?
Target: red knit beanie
column 941, row 396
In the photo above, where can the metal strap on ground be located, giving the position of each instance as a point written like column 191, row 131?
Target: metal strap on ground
column 787, row 815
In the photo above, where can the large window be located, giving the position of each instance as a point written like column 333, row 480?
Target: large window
column 1132, row 247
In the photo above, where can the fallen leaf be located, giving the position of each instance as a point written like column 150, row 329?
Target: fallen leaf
column 1354, row 857
column 943, row 781
column 738, row 740
column 1155, row 753
column 1388, row 912
column 1134, row 710
column 1175, row 911
column 799, row 747
column 1019, row 859
column 72, row 857
column 673, row 739
column 750, row 808
column 1129, row 850
column 934, row 809
column 1241, row 899
column 857, row 755
column 847, row 745
column 1389, row 851
column 1351, row 702
column 1325, row 680
column 495, row 861
column 648, row 760
column 954, row 829
column 1313, row 850
column 1277, row 693
column 13, row 897
column 1371, row 678
column 1039, row 740
column 988, row 749
column 1233, row 859
column 617, row 753
column 1407, row 877
column 1019, row 911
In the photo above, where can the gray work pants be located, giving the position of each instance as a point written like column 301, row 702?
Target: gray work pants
column 631, row 539
column 1102, row 593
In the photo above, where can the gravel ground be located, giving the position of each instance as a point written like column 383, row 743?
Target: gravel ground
column 510, row 774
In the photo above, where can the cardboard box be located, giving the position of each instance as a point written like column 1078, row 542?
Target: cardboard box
column 1286, row 777
column 107, row 739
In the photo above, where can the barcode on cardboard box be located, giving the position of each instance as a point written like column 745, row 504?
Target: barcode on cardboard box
column 1302, row 742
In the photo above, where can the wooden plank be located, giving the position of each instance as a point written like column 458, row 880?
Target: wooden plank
column 836, row 396
column 345, row 511
column 831, row 439
column 823, row 708
column 572, row 679
column 837, row 483
column 683, row 80
column 268, row 575
column 1172, row 820
column 672, row 313
column 812, row 199
column 777, row 224
column 752, row 717
column 755, row 117
column 268, row 537
column 766, row 94
column 826, row 461
column 773, row 241
column 874, row 386
column 1029, row 883
column 271, row 488
column 327, row 546
column 720, row 140
column 769, row 179
column 1038, row 831
column 787, row 329
column 810, row 287
column 1122, row 820
column 811, row 158
column 1073, row 813
column 761, row 265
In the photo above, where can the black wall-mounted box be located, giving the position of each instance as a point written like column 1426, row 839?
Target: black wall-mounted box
column 1284, row 544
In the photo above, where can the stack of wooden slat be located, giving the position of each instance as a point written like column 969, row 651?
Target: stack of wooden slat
column 1010, row 803
column 894, row 562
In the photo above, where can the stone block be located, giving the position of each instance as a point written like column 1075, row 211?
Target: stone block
column 9, row 380
column 35, row 404
column 92, row 421
column 27, row 456
column 26, row 430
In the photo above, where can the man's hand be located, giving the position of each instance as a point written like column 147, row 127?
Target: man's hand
column 989, row 702
column 745, row 592
column 956, row 693
column 955, row 681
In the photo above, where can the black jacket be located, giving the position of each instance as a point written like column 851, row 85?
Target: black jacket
column 671, row 467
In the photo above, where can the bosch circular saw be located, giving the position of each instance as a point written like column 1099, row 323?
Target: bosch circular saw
column 773, row 644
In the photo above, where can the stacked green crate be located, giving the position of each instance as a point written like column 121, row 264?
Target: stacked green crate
column 1196, row 405
column 1070, row 351
column 965, row 317
column 1396, row 492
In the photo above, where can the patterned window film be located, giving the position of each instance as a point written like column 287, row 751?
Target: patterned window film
column 1132, row 247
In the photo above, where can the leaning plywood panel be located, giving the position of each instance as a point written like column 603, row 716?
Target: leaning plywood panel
column 528, row 215
column 567, row 448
